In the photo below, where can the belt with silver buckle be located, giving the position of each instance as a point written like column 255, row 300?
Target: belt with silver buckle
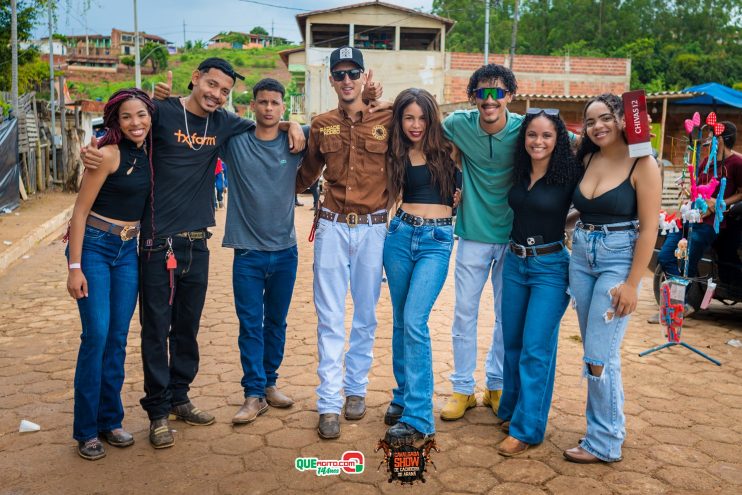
column 416, row 221
column 524, row 251
column 610, row 228
column 353, row 219
column 125, row 232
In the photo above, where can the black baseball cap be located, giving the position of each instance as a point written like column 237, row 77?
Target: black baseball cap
column 346, row 54
column 222, row 65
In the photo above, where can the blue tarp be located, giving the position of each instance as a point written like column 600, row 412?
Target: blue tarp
column 714, row 94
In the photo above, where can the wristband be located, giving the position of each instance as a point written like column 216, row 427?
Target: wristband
column 72, row 266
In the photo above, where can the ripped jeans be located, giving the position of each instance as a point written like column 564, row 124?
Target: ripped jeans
column 601, row 260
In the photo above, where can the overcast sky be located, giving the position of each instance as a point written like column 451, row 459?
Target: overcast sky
column 203, row 18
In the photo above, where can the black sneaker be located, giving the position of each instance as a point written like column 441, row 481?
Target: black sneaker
column 91, row 450
column 393, row 414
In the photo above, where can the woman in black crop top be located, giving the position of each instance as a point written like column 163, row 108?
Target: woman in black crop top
column 103, row 269
column 535, row 276
column 619, row 200
column 416, row 255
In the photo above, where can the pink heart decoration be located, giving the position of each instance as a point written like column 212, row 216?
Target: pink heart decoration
column 696, row 119
column 711, row 119
column 718, row 129
column 689, row 126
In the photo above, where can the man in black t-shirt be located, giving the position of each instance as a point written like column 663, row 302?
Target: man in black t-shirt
column 188, row 135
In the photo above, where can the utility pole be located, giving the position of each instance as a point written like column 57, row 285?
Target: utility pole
column 486, row 31
column 184, row 35
column 271, row 32
column 53, row 144
column 14, row 56
column 137, row 61
column 513, row 37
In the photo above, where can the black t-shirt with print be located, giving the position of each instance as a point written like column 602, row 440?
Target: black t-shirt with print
column 184, row 174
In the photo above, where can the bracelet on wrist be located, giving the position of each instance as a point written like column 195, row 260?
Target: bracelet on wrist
column 72, row 266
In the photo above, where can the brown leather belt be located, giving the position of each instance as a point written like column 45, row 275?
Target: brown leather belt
column 524, row 251
column 353, row 219
column 126, row 232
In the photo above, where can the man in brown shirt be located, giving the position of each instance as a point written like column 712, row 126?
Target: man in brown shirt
column 349, row 238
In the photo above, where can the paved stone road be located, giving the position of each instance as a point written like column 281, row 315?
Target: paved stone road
column 684, row 414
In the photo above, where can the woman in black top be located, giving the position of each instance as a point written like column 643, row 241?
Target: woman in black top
column 535, row 276
column 103, row 271
column 416, row 255
column 619, row 200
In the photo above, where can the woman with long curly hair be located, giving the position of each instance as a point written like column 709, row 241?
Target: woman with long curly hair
column 535, row 276
column 421, row 173
column 618, row 199
column 103, row 268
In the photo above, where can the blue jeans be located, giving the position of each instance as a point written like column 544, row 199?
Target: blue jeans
column 346, row 255
column 263, row 282
column 416, row 265
column 474, row 260
column 600, row 261
column 111, row 269
column 701, row 238
column 535, row 289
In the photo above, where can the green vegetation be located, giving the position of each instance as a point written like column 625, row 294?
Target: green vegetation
column 254, row 64
column 672, row 43
column 31, row 70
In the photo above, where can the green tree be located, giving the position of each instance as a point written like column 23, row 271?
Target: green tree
column 27, row 13
column 259, row 30
column 156, row 54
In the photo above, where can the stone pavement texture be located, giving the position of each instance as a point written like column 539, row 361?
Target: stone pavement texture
column 684, row 414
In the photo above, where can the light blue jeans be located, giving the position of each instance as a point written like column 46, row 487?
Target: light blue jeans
column 474, row 260
column 601, row 260
column 416, row 264
column 345, row 255
column 535, row 289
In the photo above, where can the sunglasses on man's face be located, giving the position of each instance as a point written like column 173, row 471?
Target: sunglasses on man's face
column 353, row 74
column 554, row 112
column 495, row 93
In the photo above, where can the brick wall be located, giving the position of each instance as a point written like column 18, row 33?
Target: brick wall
column 541, row 74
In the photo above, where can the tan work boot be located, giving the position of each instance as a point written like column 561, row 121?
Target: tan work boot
column 492, row 398
column 457, row 405
column 250, row 410
column 276, row 398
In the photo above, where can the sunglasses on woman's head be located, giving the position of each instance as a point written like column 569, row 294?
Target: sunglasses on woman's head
column 353, row 74
column 554, row 112
column 495, row 93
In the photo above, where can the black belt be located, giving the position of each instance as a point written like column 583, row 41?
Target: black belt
column 126, row 232
column 610, row 228
column 524, row 251
column 353, row 219
column 416, row 221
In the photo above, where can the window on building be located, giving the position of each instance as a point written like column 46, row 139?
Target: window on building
column 330, row 35
column 374, row 37
column 426, row 39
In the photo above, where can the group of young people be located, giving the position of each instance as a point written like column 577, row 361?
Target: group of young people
column 514, row 178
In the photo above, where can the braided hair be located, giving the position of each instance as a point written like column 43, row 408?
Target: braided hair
column 563, row 168
column 114, row 135
column 615, row 106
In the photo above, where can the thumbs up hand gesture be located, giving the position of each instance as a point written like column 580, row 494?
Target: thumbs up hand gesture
column 91, row 156
column 164, row 89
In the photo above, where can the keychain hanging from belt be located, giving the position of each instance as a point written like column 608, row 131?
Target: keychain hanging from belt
column 315, row 222
column 171, row 264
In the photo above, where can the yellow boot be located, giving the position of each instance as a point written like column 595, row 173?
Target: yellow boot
column 492, row 398
column 457, row 405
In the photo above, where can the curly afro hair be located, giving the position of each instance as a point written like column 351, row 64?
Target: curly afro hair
column 615, row 105
column 492, row 72
column 563, row 167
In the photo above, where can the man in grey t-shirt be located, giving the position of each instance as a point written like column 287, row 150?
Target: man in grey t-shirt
column 260, row 228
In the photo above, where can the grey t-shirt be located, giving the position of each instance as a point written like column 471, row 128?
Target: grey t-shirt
column 262, row 178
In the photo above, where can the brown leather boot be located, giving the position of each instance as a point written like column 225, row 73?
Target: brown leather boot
column 276, row 398
column 250, row 410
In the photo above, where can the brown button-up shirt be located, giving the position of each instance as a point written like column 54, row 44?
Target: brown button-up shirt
column 355, row 155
